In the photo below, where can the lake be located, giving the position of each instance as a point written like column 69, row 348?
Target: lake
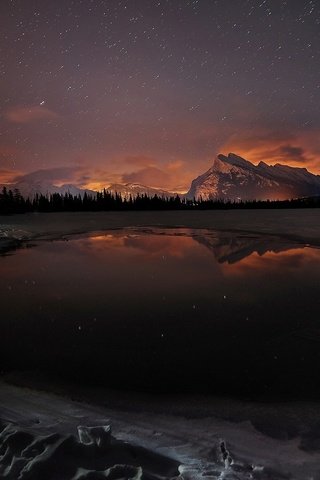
column 166, row 310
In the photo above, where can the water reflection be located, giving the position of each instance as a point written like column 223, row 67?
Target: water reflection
column 166, row 309
column 226, row 247
column 232, row 248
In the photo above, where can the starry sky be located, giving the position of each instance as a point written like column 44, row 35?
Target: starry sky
column 97, row 92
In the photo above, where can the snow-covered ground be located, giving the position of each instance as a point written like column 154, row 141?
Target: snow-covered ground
column 44, row 436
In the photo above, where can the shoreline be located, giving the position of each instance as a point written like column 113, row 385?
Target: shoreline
column 298, row 226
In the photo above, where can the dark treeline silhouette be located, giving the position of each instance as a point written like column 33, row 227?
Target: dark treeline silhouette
column 14, row 202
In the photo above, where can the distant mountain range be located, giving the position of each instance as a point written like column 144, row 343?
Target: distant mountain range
column 135, row 189
column 29, row 188
column 232, row 177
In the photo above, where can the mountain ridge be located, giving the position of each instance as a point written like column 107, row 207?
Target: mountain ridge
column 235, row 178
column 230, row 177
column 29, row 189
column 134, row 189
column 32, row 188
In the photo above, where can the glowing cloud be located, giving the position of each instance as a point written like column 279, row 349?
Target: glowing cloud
column 7, row 176
column 295, row 149
column 30, row 114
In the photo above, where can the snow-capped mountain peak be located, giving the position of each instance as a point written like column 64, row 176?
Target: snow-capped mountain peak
column 235, row 178
column 133, row 189
column 235, row 160
column 29, row 189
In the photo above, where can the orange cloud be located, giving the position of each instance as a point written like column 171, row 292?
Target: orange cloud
column 172, row 176
column 175, row 165
column 82, row 177
column 298, row 149
column 29, row 114
column 7, row 176
column 140, row 160
column 55, row 176
column 97, row 179
column 151, row 176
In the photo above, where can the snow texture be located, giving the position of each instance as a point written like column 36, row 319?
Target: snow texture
column 43, row 436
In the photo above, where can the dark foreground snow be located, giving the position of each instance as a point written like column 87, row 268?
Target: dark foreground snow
column 44, row 436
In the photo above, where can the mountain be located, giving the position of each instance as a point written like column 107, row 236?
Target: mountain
column 135, row 189
column 232, row 177
column 29, row 188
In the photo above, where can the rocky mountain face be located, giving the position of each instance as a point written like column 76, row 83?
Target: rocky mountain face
column 232, row 177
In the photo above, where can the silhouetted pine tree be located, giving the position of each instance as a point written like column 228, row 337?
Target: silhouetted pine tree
column 13, row 202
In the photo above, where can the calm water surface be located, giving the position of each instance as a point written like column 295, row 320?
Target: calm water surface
column 166, row 310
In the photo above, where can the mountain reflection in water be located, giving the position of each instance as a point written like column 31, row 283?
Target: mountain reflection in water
column 166, row 310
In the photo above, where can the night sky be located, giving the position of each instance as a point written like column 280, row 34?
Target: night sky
column 149, row 91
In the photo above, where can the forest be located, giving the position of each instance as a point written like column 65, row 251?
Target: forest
column 11, row 201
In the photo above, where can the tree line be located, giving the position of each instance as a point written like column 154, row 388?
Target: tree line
column 11, row 201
